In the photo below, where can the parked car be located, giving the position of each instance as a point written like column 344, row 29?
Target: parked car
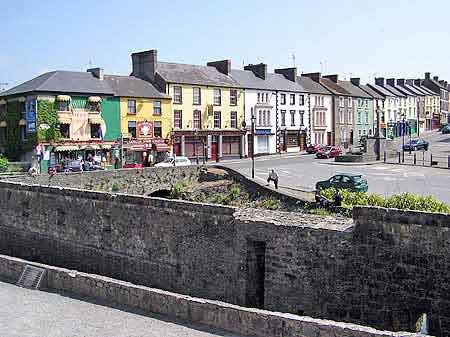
column 74, row 166
column 416, row 144
column 443, row 126
column 314, row 148
column 177, row 161
column 132, row 164
column 347, row 181
column 328, row 152
column 446, row 129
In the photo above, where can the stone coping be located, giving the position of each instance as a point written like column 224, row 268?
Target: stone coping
column 228, row 317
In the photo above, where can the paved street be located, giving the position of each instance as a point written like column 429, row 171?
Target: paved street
column 303, row 171
column 26, row 313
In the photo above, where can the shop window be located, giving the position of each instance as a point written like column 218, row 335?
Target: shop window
column 157, row 129
column 177, row 118
column 64, row 105
column 65, row 130
column 177, row 95
column 197, row 119
column 233, row 97
column 217, row 97
column 157, row 108
column 132, row 107
column 95, row 131
column 217, row 119
column 233, row 120
column 132, row 129
column 197, row 97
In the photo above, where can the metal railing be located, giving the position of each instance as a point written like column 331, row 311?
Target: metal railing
column 417, row 158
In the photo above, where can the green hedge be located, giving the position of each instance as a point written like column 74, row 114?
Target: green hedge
column 4, row 164
column 401, row 201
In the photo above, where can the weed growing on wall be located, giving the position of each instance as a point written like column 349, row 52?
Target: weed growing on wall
column 47, row 115
column 4, row 164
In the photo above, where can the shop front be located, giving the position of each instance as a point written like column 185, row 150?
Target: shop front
column 436, row 121
column 264, row 139
column 293, row 140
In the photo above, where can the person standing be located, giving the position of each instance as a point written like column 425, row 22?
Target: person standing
column 273, row 176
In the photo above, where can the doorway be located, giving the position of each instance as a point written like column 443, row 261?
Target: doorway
column 256, row 269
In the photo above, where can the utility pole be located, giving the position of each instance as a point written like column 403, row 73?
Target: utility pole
column 253, row 142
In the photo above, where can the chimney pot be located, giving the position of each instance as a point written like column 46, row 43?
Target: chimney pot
column 144, row 64
column 259, row 70
column 436, row 78
column 401, row 81
column 314, row 76
column 418, row 82
column 390, row 81
column 427, row 76
column 379, row 81
column 289, row 73
column 97, row 72
column 223, row 66
column 410, row 81
column 355, row 81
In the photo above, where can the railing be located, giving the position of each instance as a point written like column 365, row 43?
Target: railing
column 417, row 158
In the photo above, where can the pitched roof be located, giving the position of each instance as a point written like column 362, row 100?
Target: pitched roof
column 130, row 86
column 333, row 87
column 353, row 89
column 381, row 90
column 312, row 86
column 428, row 91
column 280, row 82
column 394, row 90
column 63, row 82
column 371, row 92
column 413, row 90
column 403, row 90
column 194, row 74
column 247, row 79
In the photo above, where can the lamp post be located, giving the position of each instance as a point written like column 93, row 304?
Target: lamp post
column 253, row 143
column 403, row 138
column 196, row 142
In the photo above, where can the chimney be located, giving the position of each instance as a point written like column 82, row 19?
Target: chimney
column 289, row 73
column 260, row 70
column 401, row 82
column 334, row 78
column 436, row 78
column 390, row 81
column 316, row 77
column 97, row 72
column 355, row 81
column 379, row 81
column 144, row 64
column 223, row 66
column 418, row 82
column 410, row 82
column 427, row 76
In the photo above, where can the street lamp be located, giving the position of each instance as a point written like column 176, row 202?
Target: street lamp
column 403, row 137
column 253, row 142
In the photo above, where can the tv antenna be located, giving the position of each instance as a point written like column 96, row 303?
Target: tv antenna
column 292, row 57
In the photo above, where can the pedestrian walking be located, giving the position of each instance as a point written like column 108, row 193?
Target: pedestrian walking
column 273, row 176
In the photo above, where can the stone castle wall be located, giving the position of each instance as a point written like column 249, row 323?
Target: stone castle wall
column 384, row 271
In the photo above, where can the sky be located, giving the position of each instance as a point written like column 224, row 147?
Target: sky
column 395, row 38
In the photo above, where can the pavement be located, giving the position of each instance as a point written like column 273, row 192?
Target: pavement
column 32, row 313
column 301, row 172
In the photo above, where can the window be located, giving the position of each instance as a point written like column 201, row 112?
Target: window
column 132, row 107
column 367, row 117
column 321, row 101
column 197, row 119
column 320, row 118
column 292, row 117
column 132, row 129
column 217, row 97
column 360, row 102
column 217, row 119
column 95, row 130
column 302, row 114
column 283, row 117
column 177, row 118
column 267, row 97
column 292, row 99
column 22, row 108
column 157, row 108
column 259, row 97
column 65, row 130
column 341, row 102
column 283, row 99
column 177, row 95
column 341, row 116
column 157, row 129
column 350, row 117
column 94, row 107
column 359, row 117
column 233, row 119
column 301, row 99
column 260, row 117
column 197, row 96
column 64, row 105
column 366, row 103
column 350, row 102
column 233, row 97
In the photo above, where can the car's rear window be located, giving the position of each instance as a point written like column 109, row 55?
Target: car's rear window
column 358, row 179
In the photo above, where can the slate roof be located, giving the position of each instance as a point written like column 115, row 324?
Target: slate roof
column 130, row 86
column 247, row 79
column 281, row 83
column 353, row 89
column 428, row 91
column 403, row 90
column 62, row 82
column 312, row 86
column 413, row 90
column 371, row 92
column 194, row 74
column 333, row 87
column 381, row 89
column 394, row 90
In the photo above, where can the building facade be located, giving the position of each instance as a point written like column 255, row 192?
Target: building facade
column 441, row 89
column 379, row 120
column 408, row 107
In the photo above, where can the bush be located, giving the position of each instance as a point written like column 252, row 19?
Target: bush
column 4, row 164
column 320, row 211
column 271, row 203
column 115, row 187
column 180, row 188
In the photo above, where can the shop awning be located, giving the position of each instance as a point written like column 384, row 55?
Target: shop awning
column 3, row 124
column 90, row 147
column 65, row 120
column 64, row 98
column 105, row 146
column 161, row 147
column 66, row 148
column 22, row 122
column 263, row 132
column 95, row 99
column 95, row 120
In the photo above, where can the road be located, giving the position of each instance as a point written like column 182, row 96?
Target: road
column 303, row 171
column 31, row 313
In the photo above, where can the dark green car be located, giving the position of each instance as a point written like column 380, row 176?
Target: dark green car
column 345, row 181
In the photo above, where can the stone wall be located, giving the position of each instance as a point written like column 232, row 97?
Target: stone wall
column 384, row 271
column 232, row 318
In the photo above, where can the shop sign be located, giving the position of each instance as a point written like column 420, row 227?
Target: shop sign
column 144, row 130
column 30, row 114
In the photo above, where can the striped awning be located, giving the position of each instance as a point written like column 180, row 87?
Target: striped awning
column 64, row 98
column 90, row 147
column 95, row 99
column 106, row 146
column 22, row 122
column 3, row 124
column 95, row 120
column 66, row 148
column 64, row 120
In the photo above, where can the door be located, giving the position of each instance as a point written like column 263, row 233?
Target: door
column 214, row 149
column 302, row 141
column 256, row 268
column 263, row 144
column 329, row 138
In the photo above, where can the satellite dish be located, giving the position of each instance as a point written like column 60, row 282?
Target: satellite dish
column 44, row 126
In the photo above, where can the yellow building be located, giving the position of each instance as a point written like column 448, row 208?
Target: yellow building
column 207, row 105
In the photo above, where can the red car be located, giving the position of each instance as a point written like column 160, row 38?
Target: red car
column 128, row 165
column 314, row 148
column 328, row 152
